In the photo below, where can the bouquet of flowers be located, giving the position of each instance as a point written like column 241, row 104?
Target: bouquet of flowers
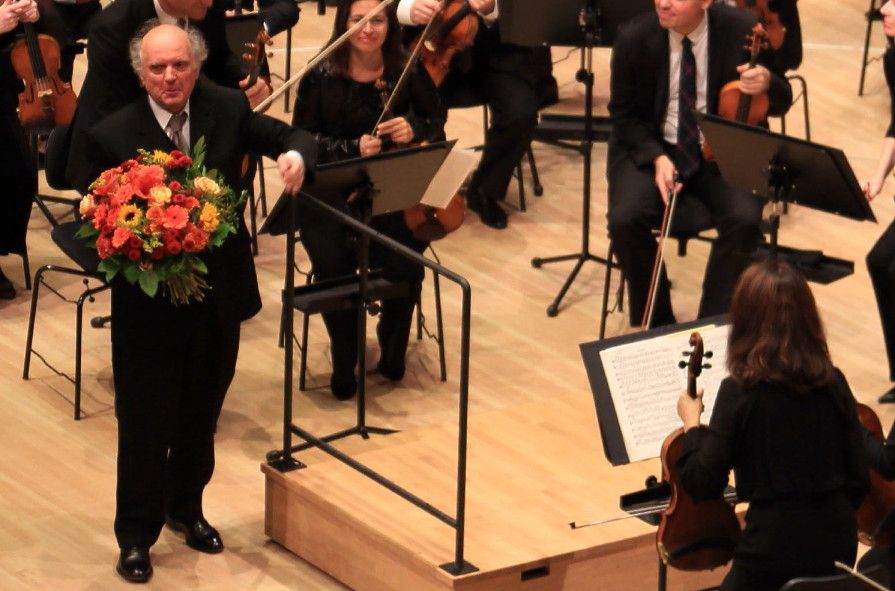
column 152, row 217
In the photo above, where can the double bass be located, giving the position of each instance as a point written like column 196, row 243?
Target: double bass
column 693, row 535
column 880, row 500
column 46, row 100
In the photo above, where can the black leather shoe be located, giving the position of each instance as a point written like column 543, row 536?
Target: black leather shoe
column 199, row 535
column 7, row 291
column 134, row 565
column 888, row 396
column 344, row 387
column 394, row 372
column 490, row 212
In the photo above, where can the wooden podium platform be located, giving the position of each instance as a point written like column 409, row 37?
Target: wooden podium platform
column 533, row 469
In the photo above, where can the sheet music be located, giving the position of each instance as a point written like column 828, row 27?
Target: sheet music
column 645, row 382
column 447, row 181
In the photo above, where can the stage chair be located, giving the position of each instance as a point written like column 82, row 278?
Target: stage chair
column 872, row 15
column 691, row 219
column 340, row 293
column 74, row 248
column 841, row 582
column 803, row 96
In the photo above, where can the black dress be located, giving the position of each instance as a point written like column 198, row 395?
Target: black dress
column 338, row 110
column 18, row 177
column 799, row 462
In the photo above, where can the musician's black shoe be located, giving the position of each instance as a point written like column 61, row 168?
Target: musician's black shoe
column 490, row 212
column 7, row 291
column 393, row 371
column 134, row 565
column 344, row 387
column 888, row 396
column 199, row 534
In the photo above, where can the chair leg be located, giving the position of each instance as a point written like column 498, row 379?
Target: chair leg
column 604, row 311
column 78, row 338
column 537, row 188
column 303, row 364
column 262, row 187
column 26, row 268
column 870, row 12
column 38, row 277
column 521, row 186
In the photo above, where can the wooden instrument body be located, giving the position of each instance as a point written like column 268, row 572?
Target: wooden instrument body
column 453, row 30
column 880, row 500
column 46, row 100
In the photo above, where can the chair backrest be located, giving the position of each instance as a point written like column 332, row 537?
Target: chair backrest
column 842, row 582
column 57, row 158
column 75, row 248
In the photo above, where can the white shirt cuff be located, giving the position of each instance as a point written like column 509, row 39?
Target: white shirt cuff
column 490, row 18
column 296, row 156
column 405, row 7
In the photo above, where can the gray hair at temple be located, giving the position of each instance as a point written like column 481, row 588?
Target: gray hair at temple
column 197, row 44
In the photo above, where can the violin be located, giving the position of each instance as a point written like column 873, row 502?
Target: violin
column 881, row 498
column 737, row 105
column 768, row 18
column 693, row 535
column 46, row 101
column 255, row 56
column 425, row 222
column 452, row 30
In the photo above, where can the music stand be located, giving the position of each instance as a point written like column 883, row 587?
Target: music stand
column 375, row 185
column 784, row 169
column 583, row 23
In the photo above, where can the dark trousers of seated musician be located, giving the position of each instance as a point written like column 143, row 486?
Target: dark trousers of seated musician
column 636, row 209
column 332, row 249
column 881, row 267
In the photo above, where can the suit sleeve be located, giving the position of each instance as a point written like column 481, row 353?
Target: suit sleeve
column 278, row 15
column 266, row 135
column 427, row 114
column 223, row 67
column 636, row 134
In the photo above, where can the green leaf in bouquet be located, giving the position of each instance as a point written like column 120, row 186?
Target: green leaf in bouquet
column 199, row 265
column 131, row 273
column 86, row 231
column 198, row 154
column 149, row 282
column 110, row 267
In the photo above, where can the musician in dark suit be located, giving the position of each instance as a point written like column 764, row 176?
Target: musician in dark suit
column 513, row 81
column 18, row 178
column 110, row 82
column 172, row 364
column 654, row 137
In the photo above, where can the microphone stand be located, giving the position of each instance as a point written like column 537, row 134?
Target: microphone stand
column 589, row 19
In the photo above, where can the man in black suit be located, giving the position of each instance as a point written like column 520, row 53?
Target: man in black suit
column 513, row 81
column 664, row 66
column 172, row 365
column 111, row 83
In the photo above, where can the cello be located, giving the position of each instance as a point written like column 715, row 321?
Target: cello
column 880, row 500
column 46, row 100
column 693, row 535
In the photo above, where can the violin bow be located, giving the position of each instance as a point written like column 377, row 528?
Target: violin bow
column 322, row 55
column 667, row 218
column 402, row 79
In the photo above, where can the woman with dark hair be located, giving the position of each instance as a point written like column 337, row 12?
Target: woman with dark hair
column 785, row 422
column 340, row 103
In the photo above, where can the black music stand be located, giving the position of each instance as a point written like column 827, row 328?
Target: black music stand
column 586, row 24
column 784, row 169
column 375, row 185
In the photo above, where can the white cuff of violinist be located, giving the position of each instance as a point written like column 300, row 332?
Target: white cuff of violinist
column 297, row 157
column 405, row 8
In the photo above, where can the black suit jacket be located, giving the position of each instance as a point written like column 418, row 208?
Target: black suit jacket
column 223, row 117
column 111, row 83
column 639, row 81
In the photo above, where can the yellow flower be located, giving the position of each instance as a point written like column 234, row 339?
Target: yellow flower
column 208, row 219
column 160, row 195
column 206, row 186
column 129, row 216
column 160, row 157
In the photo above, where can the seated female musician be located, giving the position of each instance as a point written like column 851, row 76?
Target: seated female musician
column 785, row 422
column 18, row 177
column 340, row 103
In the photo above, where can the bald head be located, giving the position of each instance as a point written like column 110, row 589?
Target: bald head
column 167, row 60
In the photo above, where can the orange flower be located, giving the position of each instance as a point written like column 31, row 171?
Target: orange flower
column 209, row 219
column 103, row 247
column 195, row 241
column 144, row 178
column 121, row 236
column 175, row 217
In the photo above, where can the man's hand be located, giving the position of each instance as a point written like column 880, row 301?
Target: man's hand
column 12, row 13
column 292, row 171
column 369, row 145
column 483, row 6
column 665, row 172
column 754, row 80
column 27, row 11
column 423, row 11
column 398, row 129
column 259, row 91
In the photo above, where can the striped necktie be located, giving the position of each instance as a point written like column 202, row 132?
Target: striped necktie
column 688, row 158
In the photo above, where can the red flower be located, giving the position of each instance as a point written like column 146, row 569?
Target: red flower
column 175, row 217
column 134, row 243
column 103, row 247
column 133, row 255
column 172, row 247
column 175, row 186
column 157, row 253
column 195, row 241
column 121, row 237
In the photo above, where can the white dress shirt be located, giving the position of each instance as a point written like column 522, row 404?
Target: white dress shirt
column 163, row 116
column 699, row 37
column 405, row 7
